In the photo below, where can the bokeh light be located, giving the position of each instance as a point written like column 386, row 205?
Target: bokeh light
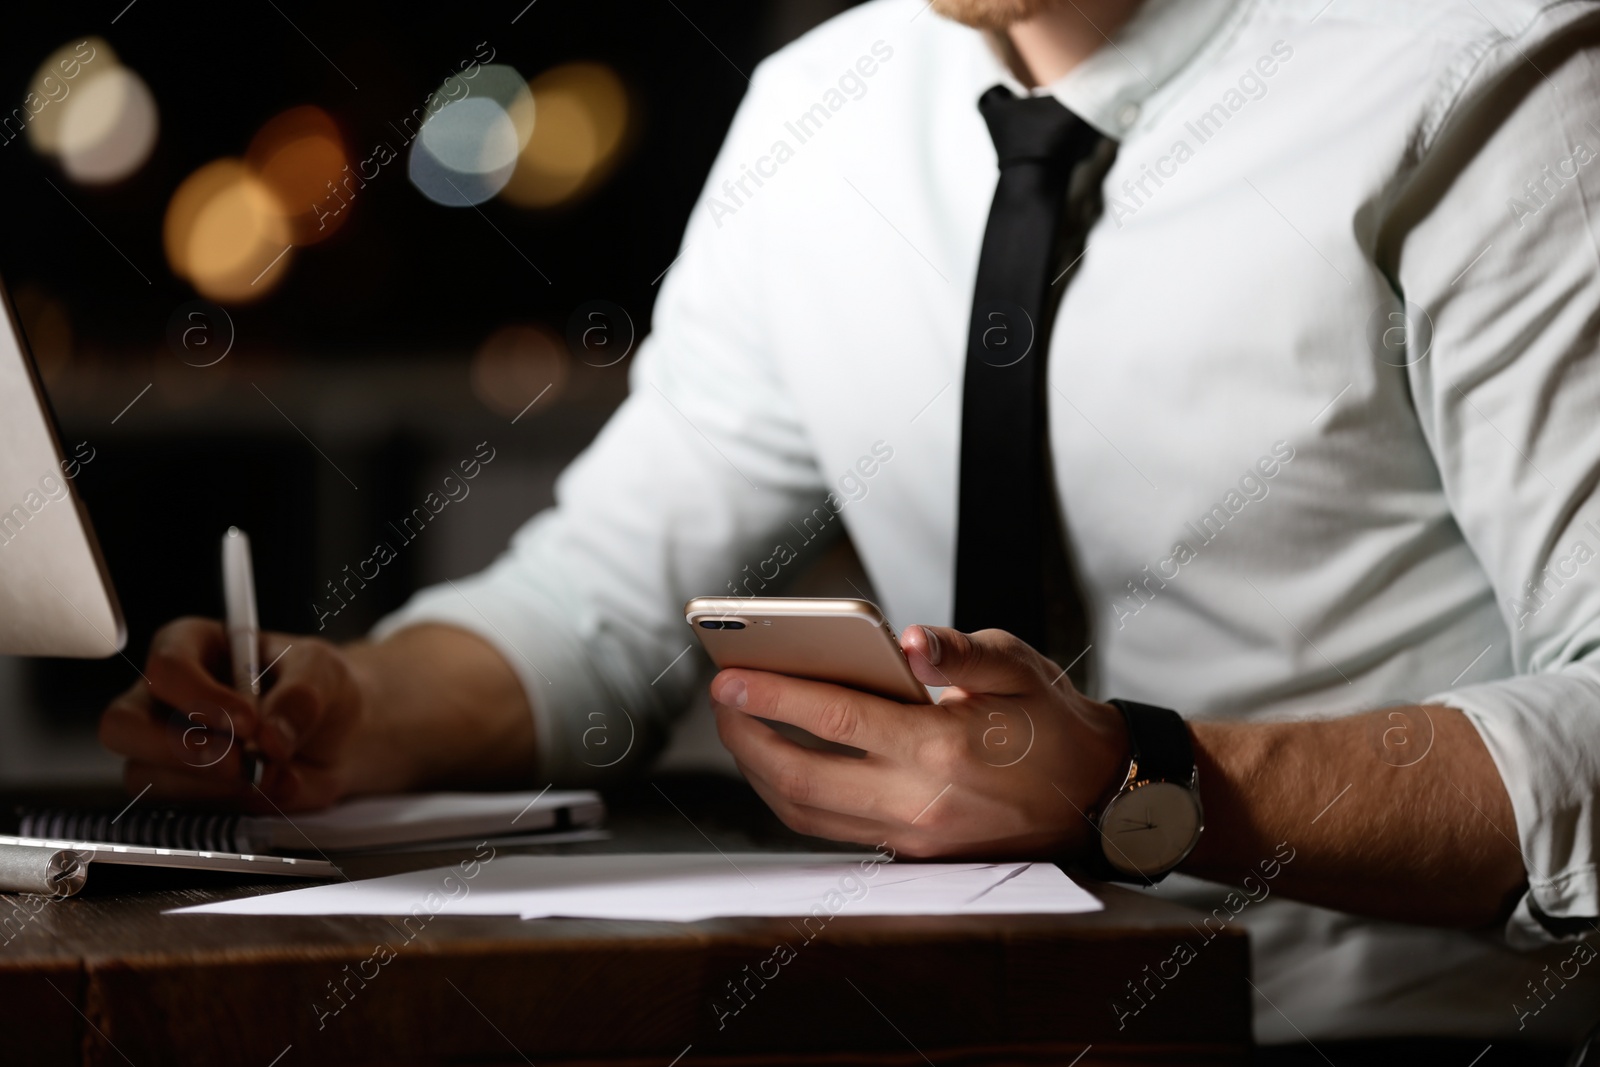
column 92, row 113
column 227, row 233
column 52, row 85
column 300, row 157
column 467, row 148
column 232, row 224
column 581, row 114
column 108, row 128
column 518, row 365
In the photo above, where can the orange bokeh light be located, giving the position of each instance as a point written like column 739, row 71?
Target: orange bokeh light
column 231, row 226
column 580, row 119
column 298, row 156
column 226, row 233
column 518, row 365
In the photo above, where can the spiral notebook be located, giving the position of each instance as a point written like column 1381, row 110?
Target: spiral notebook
column 365, row 824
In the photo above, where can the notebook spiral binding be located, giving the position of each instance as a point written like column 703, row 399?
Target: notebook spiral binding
column 163, row 828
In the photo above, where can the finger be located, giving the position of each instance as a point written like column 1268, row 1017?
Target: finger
column 132, row 728
column 923, row 652
column 294, row 787
column 141, row 698
column 816, row 822
column 989, row 661
column 803, row 776
column 138, row 726
column 832, row 712
column 819, row 822
column 187, row 664
column 125, row 718
column 162, row 783
column 275, row 648
column 828, row 825
column 306, row 677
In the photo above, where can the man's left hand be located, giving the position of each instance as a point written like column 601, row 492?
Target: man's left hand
column 1008, row 763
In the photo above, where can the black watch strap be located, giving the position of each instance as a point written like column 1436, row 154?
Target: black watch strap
column 1159, row 740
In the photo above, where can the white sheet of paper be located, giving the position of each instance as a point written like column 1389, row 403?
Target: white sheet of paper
column 686, row 887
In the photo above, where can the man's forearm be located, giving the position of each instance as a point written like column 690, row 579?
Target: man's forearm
column 1397, row 813
column 443, row 709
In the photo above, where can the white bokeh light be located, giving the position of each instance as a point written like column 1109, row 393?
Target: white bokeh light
column 472, row 136
column 89, row 112
column 467, row 149
column 108, row 127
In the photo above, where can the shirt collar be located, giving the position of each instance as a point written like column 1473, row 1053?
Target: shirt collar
column 1109, row 88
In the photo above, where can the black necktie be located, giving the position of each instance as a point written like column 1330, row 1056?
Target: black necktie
column 1006, row 531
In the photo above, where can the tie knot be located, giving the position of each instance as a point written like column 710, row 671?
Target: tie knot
column 1034, row 128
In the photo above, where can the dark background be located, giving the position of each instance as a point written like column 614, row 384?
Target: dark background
column 347, row 393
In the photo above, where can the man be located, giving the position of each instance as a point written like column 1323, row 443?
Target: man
column 1317, row 286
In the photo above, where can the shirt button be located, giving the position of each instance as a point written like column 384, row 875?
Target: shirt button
column 1128, row 114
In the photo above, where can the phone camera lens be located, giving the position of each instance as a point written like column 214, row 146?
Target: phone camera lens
column 731, row 625
column 711, row 624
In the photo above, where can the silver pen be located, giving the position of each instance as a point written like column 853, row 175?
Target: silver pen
column 244, row 629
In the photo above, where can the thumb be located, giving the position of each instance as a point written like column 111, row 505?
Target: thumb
column 989, row 661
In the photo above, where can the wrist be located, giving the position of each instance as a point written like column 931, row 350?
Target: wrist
column 442, row 709
column 1111, row 731
column 1097, row 750
column 1226, row 756
column 380, row 759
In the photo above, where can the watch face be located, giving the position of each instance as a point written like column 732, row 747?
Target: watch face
column 1149, row 829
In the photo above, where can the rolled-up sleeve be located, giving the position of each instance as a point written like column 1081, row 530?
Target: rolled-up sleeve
column 1495, row 246
column 692, row 477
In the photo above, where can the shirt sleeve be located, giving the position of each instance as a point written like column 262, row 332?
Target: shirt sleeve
column 687, row 484
column 1497, row 261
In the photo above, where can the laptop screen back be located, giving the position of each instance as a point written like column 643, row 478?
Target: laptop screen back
column 55, row 596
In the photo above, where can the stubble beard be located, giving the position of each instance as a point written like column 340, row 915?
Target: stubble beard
column 995, row 15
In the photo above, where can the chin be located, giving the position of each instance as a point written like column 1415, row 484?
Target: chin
column 991, row 14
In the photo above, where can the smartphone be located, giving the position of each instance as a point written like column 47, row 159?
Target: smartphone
column 846, row 642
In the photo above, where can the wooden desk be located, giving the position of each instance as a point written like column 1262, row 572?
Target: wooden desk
column 105, row 979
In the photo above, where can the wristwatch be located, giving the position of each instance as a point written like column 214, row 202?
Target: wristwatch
column 1153, row 820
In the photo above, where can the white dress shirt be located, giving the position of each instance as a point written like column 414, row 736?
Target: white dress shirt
column 1286, row 495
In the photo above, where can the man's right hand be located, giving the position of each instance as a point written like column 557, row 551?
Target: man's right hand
column 430, row 706
column 185, row 733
